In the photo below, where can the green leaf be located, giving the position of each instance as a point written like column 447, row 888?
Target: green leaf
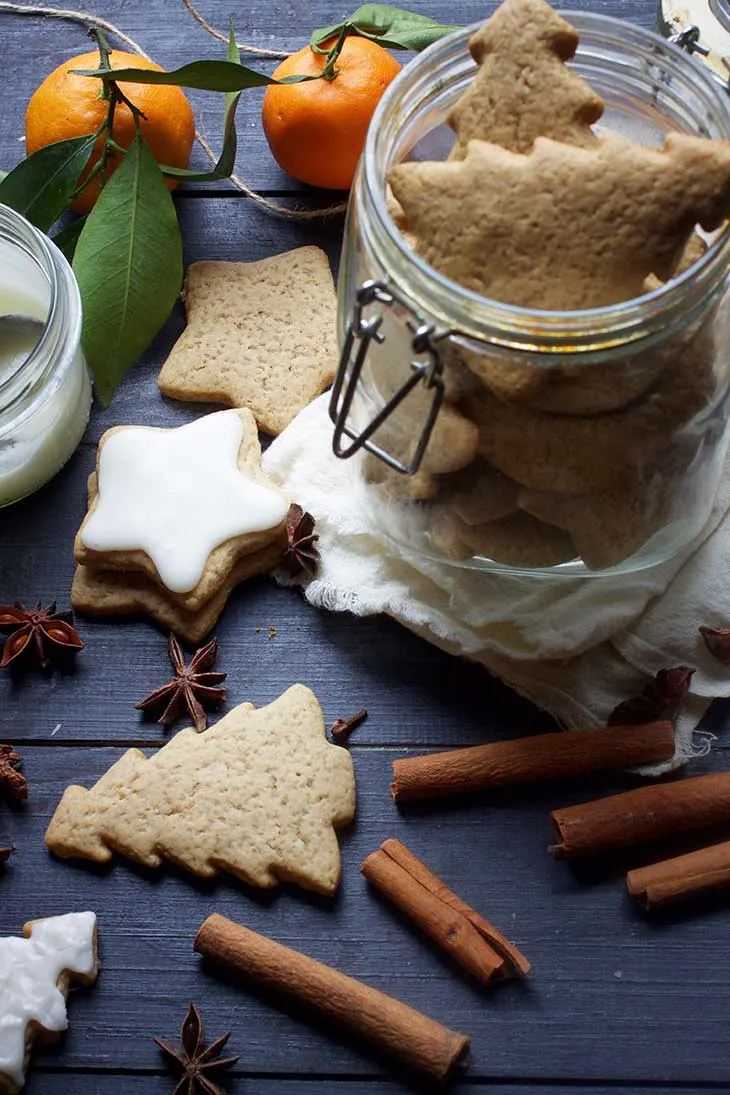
column 128, row 263
column 203, row 75
column 223, row 169
column 390, row 27
column 67, row 238
column 3, row 175
column 317, row 37
column 42, row 186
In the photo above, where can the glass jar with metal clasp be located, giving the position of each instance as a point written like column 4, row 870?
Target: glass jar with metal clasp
column 45, row 389
column 551, row 443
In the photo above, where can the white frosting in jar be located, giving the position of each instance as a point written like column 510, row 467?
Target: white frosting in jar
column 177, row 494
column 29, row 973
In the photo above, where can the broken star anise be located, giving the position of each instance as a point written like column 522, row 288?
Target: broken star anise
column 717, row 641
column 192, row 689
column 341, row 728
column 660, row 699
column 12, row 783
column 194, row 1062
column 301, row 556
column 41, row 633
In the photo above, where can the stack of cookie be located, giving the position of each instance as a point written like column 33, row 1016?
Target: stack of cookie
column 176, row 519
column 555, row 461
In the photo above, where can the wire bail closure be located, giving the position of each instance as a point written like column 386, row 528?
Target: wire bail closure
column 361, row 332
column 688, row 37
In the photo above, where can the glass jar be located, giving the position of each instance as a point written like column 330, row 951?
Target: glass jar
column 556, row 443
column 45, row 390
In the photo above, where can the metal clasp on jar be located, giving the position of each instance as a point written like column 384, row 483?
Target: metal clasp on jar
column 702, row 28
column 425, row 368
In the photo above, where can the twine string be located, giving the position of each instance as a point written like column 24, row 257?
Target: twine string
column 87, row 18
column 275, row 54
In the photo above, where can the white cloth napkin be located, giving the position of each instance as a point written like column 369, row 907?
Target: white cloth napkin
column 574, row 647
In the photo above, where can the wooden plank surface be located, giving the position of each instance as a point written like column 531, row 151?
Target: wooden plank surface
column 618, row 1001
column 89, row 1083
column 33, row 47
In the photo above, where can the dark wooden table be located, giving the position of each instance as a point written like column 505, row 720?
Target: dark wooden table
column 617, row 1001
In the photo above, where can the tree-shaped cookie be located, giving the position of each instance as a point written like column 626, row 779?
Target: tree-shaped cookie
column 259, row 795
column 563, row 227
column 523, row 89
column 36, row 972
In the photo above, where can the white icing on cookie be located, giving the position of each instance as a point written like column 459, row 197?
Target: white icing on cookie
column 29, row 972
column 177, row 494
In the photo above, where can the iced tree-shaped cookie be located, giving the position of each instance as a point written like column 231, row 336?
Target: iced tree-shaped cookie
column 36, row 972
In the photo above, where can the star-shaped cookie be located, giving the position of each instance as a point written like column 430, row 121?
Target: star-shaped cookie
column 183, row 506
column 260, row 335
column 523, row 89
column 259, row 795
column 564, row 228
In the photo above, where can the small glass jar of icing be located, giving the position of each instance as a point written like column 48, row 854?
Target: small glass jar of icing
column 45, row 390
column 613, row 464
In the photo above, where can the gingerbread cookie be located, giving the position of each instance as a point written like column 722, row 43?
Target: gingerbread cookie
column 185, row 508
column 125, row 593
column 523, row 88
column 608, row 526
column 260, row 335
column 518, row 540
column 575, row 454
column 613, row 214
column 36, row 973
column 259, row 795
column 479, row 493
column 452, row 445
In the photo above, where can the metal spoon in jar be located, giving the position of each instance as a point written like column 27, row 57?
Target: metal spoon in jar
column 19, row 335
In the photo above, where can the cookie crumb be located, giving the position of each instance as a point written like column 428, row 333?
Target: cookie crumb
column 272, row 631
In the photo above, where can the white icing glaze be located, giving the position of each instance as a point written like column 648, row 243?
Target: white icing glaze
column 29, row 971
column 177, row 494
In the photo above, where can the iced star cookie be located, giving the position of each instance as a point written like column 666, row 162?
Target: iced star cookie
column 260, row 335
column 259, row 795
column 124, row 593
column 36, row 972
column 188, row 509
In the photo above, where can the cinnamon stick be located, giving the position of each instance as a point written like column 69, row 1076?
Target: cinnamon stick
column 386, row 1024
column 525, row 760
column 460, row 931
column 648, row 813
column 681, row 877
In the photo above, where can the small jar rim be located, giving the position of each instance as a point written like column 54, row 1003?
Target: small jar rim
column 628, row 319
column 46, row 365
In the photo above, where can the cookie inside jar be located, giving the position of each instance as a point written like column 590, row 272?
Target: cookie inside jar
column 559, row 209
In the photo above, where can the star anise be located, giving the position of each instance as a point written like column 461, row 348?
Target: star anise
column 717, row 641
column 301, row 555
column 660, row 699
column 194, row 1062
column 41, row 633
column 13, row 783
column 192, row 689
column 341, row 728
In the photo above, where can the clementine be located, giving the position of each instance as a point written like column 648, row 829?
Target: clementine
column 67, row 105
column 316, row 130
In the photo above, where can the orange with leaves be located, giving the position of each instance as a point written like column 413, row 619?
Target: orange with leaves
column 316, row 129
column 67, row 105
